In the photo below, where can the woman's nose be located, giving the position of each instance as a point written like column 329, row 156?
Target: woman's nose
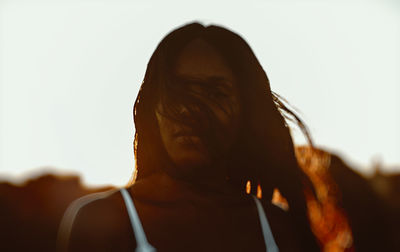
column 188, row 115
column 183, row 110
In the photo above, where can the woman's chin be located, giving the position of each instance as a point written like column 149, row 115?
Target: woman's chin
column 188, row 150
column 191, row 163
column 191, row 159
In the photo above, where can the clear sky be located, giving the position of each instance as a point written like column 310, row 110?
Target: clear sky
column 70, row 72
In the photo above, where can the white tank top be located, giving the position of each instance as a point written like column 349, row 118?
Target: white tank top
column 144, row 246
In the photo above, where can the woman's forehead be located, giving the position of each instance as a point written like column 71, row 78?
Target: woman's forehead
column 200, row 60
column 216, row 80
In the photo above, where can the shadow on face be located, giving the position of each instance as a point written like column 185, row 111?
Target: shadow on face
column 201, row 69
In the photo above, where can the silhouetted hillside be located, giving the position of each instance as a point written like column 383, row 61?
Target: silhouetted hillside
column 30, row 213
column 387, row 187
column 369, row 218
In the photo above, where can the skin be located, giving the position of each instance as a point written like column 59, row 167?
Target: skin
column 186, row 215
column 199, row 60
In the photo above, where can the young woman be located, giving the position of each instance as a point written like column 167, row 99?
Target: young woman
column 206, row 124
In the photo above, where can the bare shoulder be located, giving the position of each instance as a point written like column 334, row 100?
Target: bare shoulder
column 92, row 222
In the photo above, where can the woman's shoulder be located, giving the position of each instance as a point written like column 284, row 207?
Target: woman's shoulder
column 90, row 201
column 90, row 221
column 93, row 206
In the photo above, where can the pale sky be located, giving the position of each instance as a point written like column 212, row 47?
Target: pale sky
column 70, row 72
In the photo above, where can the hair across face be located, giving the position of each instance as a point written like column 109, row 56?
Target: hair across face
column 262, row 150
column 200, row 128
column 192, row 70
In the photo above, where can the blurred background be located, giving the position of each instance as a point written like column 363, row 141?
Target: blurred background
column 70, row 72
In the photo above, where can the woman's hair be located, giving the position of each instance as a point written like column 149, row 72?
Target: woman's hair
column 264, row 151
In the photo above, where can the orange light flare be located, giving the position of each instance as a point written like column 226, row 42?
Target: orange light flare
column 328, row 221
column 248, row 189
column 259, row 192
column 279, row 200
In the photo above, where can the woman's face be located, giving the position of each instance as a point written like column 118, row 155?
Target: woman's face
column 201, row 61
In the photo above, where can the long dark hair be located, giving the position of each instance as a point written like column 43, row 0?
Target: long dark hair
column 264, row 152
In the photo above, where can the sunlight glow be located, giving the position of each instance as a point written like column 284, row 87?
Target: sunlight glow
column 328, row 220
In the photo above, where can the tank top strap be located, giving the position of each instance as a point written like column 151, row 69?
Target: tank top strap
column 142, row 245
column 268, row 237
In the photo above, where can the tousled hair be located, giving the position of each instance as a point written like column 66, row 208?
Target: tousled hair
column 264, row 151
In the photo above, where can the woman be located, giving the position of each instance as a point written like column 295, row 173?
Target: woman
column 206, row 123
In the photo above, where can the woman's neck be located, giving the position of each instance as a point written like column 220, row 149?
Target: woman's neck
column 209, row 179
column 166, row 187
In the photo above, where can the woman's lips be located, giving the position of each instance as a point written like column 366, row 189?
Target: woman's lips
column 187, row 138
column 185, row 133
column 188, row 141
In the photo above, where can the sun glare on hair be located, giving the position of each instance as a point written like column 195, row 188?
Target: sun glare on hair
column 248, row 187
column 279, row 200
column 328, row 221
column 259, row 192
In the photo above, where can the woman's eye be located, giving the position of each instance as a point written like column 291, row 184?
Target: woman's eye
column 217, row 94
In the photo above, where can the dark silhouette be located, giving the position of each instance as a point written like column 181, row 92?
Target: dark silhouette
column 387, row 188
column 206, row 123
column 373, row 222
column 30, row 213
